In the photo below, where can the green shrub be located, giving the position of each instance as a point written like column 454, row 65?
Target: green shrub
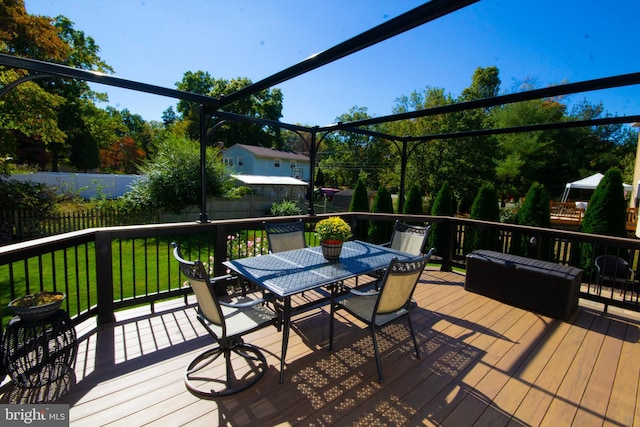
column 413, row 202
column 443, row 205
column 284, row 208
column 485, row 207
column 606, row 214
column 360, row 203
column 172, row 179
column 238, row 192
column 380, row 231
column 534, row 212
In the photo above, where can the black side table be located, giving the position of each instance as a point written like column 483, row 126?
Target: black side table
column 39, row 352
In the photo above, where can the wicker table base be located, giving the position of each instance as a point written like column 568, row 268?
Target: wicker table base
column 39, row 352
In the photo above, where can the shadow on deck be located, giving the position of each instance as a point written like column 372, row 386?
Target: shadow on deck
column 483, row 363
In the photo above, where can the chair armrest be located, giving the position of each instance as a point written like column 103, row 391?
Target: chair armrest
column 227, row 277
column 386, row 245
column 363, row 294
column 247, row 304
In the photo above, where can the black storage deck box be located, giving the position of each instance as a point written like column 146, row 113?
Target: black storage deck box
column 541, row 286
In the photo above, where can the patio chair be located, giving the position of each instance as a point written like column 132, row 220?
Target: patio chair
column 390, row 303
column 614, row 271
column 409, row 238
column 227, row 324
column 285, row 236
column 406, row 238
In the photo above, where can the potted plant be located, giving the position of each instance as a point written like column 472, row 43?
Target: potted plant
column 37, row 306
column 332, row 231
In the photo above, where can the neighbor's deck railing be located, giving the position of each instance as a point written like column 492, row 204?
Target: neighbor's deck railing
column 569, row 214
column 106, row 269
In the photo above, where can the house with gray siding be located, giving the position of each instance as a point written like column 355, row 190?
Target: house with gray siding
column 254, row 160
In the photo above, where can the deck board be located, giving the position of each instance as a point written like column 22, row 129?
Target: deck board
column 483, row 363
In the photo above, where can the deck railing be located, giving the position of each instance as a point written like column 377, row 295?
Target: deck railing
column 571, row 214
column 107, row 269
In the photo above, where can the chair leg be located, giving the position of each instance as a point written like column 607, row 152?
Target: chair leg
column 377, row 354
column 415, row 341
column 207, row 381
column 332, row 315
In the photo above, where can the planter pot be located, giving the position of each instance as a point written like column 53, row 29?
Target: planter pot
column 331, row 249
column 32, row 313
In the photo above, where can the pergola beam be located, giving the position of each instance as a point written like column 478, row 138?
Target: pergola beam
column 398, row 25
column 58, row 70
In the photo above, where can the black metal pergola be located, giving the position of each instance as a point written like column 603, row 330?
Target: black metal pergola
column 406, row 144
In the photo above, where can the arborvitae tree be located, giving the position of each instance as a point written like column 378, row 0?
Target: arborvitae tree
column 319, row 182
column 485, row 207
column 606, row 214
column 534, row 212
column 380, row 231
column 443, row 205
column 413, row 202
column 360, row 203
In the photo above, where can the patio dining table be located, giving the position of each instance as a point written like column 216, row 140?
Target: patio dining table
column 292, row 272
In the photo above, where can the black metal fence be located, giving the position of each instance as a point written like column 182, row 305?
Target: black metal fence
column 110, row 268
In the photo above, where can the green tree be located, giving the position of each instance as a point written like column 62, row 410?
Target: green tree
column 22, row 34
column 266, row 104
column 172, row 179
column 360, row 203
column 444, row 205
column 485, row 207
column 380, row 231
column 606, row 214
column 413, row 202
column 607, row 210
column 84, row 151
column 436, row 161
column 534, row 212
column 348, row 156
column 319, row 181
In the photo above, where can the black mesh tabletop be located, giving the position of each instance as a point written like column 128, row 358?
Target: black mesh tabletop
column 291, row 272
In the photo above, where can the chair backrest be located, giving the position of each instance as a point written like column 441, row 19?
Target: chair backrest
column 409, row 238
column 611, row 265
column 285, row 236
column 399, row 282
column 199, row 280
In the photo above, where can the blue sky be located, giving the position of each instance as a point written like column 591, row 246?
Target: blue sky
column 551, row 41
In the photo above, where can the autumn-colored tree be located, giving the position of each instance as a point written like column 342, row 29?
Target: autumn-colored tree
column 123, row 156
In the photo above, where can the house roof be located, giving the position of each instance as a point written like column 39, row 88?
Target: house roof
column 272, row 153
column 268, row 180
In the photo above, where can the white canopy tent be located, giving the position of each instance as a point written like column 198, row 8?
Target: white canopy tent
column 588, row 183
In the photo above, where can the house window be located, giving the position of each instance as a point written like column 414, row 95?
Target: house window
column 276, row 163
column 227, row 161
column 240, row 162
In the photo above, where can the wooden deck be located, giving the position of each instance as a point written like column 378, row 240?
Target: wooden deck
column 483, row 363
